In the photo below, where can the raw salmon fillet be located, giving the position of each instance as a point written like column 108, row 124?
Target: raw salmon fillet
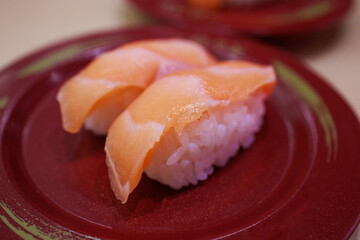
column 104, row 88
column 169, row 105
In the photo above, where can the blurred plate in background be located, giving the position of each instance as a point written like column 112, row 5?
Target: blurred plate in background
column 283, row 17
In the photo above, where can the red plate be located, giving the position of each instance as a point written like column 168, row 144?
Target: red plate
column 300, row 180
column 283, row 17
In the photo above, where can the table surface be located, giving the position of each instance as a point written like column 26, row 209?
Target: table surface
column 26, row 26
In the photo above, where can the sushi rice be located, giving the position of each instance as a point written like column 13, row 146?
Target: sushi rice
column 181, row 160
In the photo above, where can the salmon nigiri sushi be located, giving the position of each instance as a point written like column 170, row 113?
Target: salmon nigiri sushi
column 103, row 89
column 186, row 123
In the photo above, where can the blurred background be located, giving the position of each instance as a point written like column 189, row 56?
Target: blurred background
column 27, row 26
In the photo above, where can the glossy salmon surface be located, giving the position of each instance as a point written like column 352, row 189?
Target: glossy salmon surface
column 171, row 103
column 105, row 87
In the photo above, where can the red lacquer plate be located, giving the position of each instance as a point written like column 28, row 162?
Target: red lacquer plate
column 300, row 180
column 281, row 17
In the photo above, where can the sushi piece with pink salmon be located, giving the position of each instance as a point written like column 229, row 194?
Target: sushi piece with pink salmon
column 186, row 123
column 103, row 89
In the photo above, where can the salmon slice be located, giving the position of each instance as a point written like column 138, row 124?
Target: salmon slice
column 104, row 88
column 171, row 103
